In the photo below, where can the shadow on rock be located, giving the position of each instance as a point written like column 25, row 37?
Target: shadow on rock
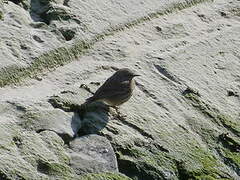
column 94, row 117
column 87, row 118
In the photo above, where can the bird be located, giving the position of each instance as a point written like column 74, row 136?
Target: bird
column 117, row 89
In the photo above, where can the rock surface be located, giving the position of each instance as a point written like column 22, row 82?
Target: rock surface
column 92, row 154
column 182, row 121
column 29, row 155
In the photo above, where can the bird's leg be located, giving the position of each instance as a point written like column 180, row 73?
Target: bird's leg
column 105, row 107
column 119, row 114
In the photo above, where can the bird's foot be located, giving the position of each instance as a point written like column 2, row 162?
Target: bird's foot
column 119, row 114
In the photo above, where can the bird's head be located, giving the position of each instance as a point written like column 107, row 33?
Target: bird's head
column 125, row 74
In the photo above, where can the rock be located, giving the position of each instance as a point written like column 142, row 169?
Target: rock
column 92, row 153
column 92, row 117
column 39, row 117
column 16, row 15
column 64, row 124
column 65, row 21
column 182, row 121
column 28, row 155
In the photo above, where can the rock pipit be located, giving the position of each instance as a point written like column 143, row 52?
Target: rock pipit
column 117, row 89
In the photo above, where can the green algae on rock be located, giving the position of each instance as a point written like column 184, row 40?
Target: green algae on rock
column 214, row 114
column 104, row 176
column 50, row 60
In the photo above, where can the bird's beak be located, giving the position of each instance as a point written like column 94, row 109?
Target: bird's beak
column 136, row 75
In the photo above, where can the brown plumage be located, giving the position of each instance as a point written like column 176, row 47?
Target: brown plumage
column 117, row 89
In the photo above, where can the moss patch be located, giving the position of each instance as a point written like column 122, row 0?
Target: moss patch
column 132, row 152
column 188, row 161
column 54, row 169
column 228, row 122
column 104, row 176
column 141, row 164
column 213, row 113
column 198, row 164
column 230, row 151
column 28, row 120
column 56, row 144
column 228, row 147
column 233, row 157
column 208, row 167
column 50, row 60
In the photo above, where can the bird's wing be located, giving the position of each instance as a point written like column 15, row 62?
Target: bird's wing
column 115, row 89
